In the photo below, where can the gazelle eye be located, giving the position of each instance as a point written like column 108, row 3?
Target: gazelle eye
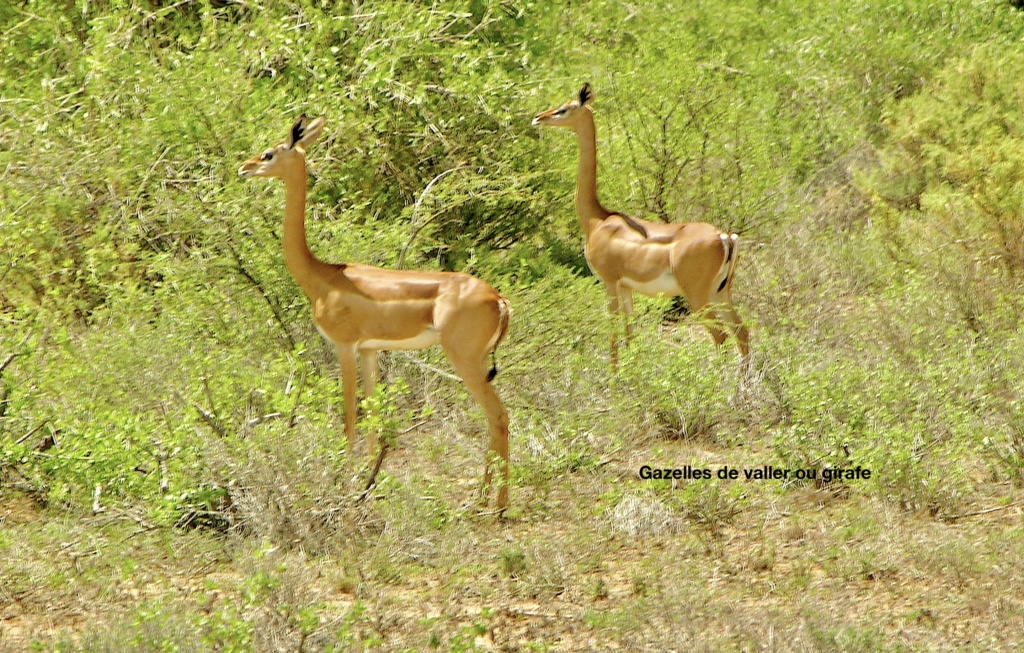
column 267, row 156
column 559, row 111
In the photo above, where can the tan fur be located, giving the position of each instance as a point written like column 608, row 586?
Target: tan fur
column 626, row 252
column 356, row 306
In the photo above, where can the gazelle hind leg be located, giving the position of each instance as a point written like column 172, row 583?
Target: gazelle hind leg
column 721, row 299
column 474, row 374
column 467, row 339
column 730, row 320
column 468, row 334
column 699, row 307
column 726, row 315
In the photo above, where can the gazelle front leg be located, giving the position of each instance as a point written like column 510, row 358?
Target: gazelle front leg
column 613, row 310
column 347, row 363
column 626, row 301
column 368, row 361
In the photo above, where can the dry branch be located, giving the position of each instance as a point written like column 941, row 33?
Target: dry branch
column 985, row 511
column 372, row 479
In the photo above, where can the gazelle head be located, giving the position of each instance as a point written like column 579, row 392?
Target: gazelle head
column 569, row 113
column 280, row 159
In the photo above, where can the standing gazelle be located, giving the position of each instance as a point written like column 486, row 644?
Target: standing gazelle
column 693, row 259
column 362, row 309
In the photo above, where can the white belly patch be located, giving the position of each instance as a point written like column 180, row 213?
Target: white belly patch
column 425, row 338
column 665, row 284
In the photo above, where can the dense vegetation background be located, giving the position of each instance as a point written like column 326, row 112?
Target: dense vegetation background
column 172, row 471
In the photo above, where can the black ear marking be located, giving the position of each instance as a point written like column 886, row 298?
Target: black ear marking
column 298, row 129
column 586, row 94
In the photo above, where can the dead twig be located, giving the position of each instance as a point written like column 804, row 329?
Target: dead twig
column 161, row 451
column 986, row 511
column 96, row 507
column 240, row 269
column 7, row 361
column 413, row 427
column 428, row 366
column 210, row 419
column 298, row 395
column 32, row 432
column 372, row 480
column 13, row 354
column 255, row 421
column 416, row 228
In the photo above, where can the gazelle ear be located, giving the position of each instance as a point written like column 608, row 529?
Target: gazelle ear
column 586, row 94
column 305, row 131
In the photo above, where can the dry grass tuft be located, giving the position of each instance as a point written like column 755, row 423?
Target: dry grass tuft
column 643, row 516
column 285, row 488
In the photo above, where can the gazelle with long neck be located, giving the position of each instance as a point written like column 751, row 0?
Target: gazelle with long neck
column 695, row 259
column 361, row 309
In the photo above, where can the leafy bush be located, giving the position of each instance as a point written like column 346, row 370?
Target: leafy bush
column 953, row 167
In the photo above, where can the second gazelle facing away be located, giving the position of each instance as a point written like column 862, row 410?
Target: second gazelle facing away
column 695, row 259
column 361, row 309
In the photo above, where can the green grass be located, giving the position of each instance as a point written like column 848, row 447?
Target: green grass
column 173, row 474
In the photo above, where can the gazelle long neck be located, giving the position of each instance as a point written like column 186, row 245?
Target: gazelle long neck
column 297, row 257
column 588, row 207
